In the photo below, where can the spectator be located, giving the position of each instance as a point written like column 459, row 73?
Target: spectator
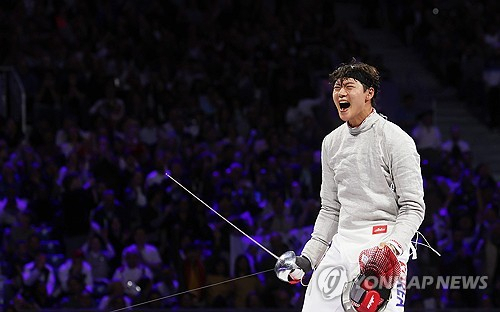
column 98, row 253
column 308, row 214
column 33, row 245
column 48, row 98
column 11, row 133
column 135, row 200
column 3, row 151
column 107, row 210
column 426, row 134
column 156, row 215
column 104, row 164
column 39, row 273
column 279, row 220
column 119, row 237
column 21, row 230
column 131, row 271
column 455, row 147
column 148, row 253
column 20, row 303
column 15, row 261
column 69, row 136
column 77, row 295
column 406, row 114
column 153, row 301
column 427, row 137
column 74, row 98
column 10, row 206
column 75, row 267
column 149, row 132
column 145, row 285
column 218, row 296
column 167, row 285
column 10, row 180
column 116, row 297
column 76, row 205
column 295, row 201
column 194, row 271
column 244, row 287
column 110, row 108
column 157, row 174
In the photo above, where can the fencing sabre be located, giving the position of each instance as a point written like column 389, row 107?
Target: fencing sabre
column 212, row 285
column 188, row 291
column 230, row 223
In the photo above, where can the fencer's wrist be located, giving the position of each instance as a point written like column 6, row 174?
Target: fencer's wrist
column 396, row 248
column 392, row 249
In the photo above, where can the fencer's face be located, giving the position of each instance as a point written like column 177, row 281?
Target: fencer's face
column 352, row 101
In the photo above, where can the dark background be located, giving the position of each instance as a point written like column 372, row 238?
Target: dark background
column 231, row 97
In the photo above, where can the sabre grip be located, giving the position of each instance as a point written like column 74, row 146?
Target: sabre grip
column 291, row 268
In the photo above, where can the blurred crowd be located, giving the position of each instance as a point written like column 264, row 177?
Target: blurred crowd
column 230, row 98
column 459, row 41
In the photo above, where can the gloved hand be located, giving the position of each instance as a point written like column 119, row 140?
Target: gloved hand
column 380, row 262
column 371, row 289
column 290, row 268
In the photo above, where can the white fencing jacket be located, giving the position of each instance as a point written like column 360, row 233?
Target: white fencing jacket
column 370, row 178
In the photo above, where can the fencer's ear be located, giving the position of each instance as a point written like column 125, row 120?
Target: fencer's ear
column 370, row 93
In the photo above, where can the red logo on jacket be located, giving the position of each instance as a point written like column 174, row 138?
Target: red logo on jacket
column 379, row 229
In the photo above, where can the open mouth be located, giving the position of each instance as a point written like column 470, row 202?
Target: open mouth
column 344, row 106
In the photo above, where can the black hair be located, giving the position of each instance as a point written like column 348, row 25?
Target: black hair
column 366, row 74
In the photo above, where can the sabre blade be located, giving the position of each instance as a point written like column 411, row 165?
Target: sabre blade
column 223, row 218
column 189, row 291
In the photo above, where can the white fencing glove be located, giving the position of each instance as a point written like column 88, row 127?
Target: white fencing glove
column 290, row 268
